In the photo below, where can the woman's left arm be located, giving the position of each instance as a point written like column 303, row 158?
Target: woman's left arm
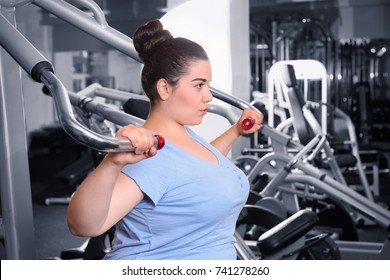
column 226, row 140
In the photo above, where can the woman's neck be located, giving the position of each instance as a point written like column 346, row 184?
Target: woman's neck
column 165, row 126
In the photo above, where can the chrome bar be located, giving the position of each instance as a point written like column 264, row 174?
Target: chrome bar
column 118, row 95
column 83, row 21
column 95, row 9
column 105, row 111
column 73, row 127
column 232, row 100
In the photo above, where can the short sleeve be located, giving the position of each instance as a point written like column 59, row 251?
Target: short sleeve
column 153, row 175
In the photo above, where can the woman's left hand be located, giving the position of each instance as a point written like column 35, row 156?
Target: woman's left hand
column 256, row 118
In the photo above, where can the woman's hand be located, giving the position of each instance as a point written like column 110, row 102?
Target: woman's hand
column 141, row 139
column 256, row 118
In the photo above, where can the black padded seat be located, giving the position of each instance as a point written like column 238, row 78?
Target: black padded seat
column 287, row 232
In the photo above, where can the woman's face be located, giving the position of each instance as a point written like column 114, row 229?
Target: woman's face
column 189, row 99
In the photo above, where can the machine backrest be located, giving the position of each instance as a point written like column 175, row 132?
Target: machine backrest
column 296, row 103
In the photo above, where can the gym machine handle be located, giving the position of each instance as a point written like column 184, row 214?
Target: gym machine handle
column 247, row 123
column 41, row 70
column 75, row 129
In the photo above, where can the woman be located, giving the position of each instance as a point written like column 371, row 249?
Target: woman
column 183, row 201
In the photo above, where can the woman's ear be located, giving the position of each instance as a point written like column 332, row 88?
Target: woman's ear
column 163, row 89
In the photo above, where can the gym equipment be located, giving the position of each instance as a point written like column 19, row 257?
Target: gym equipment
column 306, row 126
column 340, row 129
column 278, row 36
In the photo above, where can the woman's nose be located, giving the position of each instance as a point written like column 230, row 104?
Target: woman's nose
column 208, row 96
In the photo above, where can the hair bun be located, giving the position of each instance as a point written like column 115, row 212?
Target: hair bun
column 148, row 36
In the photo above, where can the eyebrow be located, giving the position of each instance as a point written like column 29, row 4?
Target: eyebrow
column 199, row 79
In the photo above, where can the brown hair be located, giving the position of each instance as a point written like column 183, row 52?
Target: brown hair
column 163, row 56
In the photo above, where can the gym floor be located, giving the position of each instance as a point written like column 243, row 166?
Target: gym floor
column 51, row 232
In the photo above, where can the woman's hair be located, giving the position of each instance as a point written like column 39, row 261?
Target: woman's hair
column 163, row 56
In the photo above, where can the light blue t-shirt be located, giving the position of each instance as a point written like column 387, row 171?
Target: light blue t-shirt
column 189, row 211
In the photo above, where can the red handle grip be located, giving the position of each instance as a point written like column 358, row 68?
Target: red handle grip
column 159, row 142
column 247, row 123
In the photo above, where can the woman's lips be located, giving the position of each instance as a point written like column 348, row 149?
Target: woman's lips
column 204, row 111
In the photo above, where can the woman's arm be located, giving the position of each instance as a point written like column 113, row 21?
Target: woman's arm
column 226, row 140
column 107, row 195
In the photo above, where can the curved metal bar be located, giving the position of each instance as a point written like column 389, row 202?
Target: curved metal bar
column 95, row 9
column 73, row 127
column 119, row 95
column 277, row 136
column 232, row 100
column 224, row 112
column 82, row 21
column 103, row 110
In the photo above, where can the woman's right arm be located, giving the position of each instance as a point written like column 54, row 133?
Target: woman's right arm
column 107, row 194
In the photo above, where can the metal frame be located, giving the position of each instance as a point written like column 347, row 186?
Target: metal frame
column 17, row 227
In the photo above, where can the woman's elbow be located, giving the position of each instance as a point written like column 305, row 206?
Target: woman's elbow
column 75, row 230
column 78, row 230
column 82, row 230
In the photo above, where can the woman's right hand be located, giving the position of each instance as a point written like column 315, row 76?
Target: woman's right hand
column 141, row 139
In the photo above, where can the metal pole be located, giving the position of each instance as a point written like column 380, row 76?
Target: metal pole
column 81, row 20
column 16, row 203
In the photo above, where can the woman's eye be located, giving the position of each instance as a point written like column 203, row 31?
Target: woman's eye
column 199, row 86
